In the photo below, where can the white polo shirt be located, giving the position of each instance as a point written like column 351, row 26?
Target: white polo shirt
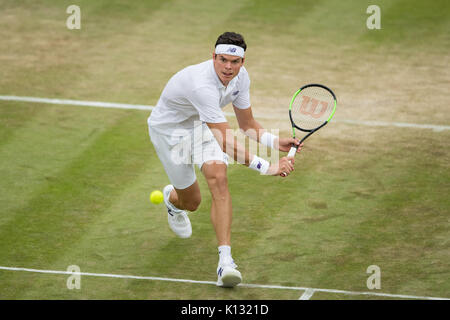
column 197, row 94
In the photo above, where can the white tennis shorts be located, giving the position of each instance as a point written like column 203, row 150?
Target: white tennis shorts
column 179, row 153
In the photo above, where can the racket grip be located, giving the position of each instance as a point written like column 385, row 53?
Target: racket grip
column 292, row 151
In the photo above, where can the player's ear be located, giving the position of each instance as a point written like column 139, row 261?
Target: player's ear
column 214, row 56
column 243, row 60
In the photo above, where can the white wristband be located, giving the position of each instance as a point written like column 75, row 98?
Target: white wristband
column 268, row 139
column 259, row 164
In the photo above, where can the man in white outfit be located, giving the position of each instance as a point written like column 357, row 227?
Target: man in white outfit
column 188, row 127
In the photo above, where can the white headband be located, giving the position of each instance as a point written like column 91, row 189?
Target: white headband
column 230, row 49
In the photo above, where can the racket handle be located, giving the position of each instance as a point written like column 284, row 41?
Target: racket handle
column 291, row 153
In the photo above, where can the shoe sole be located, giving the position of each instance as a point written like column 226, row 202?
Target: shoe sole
column 230, row 280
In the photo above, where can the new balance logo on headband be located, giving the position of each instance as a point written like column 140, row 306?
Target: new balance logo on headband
column 230, row 49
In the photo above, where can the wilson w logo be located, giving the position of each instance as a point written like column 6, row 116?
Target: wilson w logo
column 313, row 107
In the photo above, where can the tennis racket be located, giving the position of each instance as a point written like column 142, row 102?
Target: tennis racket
column 311, row 108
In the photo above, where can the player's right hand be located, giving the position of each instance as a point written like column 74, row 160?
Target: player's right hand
column 282, row 168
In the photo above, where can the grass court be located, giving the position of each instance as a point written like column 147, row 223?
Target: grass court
column 75, row 181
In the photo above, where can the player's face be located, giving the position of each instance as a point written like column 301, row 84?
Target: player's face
column 227, row 67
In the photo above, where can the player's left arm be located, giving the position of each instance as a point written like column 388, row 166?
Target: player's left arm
column 254, row 130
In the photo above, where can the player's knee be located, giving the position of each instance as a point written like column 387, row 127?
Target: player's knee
column 193, row 203
column 219, row 183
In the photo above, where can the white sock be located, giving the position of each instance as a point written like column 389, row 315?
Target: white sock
column 225, row 254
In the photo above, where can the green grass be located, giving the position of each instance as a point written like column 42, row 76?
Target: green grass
column 75, row 181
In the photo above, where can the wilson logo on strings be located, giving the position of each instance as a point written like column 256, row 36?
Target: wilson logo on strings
column 313, row 107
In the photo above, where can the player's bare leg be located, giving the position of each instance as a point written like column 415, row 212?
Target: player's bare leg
column 221, row 217
column 221, row 209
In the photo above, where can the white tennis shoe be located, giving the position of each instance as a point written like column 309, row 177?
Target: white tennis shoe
column 178, row 219
column 228, row 275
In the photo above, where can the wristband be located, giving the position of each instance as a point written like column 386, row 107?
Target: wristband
column 259, row 164
column 268, row 139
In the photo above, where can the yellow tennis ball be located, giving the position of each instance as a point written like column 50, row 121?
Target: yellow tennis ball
column 156, row 197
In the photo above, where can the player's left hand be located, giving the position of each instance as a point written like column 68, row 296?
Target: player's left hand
column 285, row 144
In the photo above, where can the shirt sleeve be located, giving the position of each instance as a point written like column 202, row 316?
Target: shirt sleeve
column 206, row 101
column 242, row 100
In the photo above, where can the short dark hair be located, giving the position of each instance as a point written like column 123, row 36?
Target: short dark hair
column 232, row 38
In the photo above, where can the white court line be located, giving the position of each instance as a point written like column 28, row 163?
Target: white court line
column 307, row 294
column 99, row 104
column 263, row 286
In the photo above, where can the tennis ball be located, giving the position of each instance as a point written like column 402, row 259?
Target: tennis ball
column 156, row 197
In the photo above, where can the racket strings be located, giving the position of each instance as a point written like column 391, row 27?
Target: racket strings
column 312, row 107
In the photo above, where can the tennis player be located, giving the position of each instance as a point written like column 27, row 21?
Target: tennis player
column 187, row 128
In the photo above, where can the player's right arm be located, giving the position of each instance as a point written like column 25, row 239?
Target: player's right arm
column 228, row 142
